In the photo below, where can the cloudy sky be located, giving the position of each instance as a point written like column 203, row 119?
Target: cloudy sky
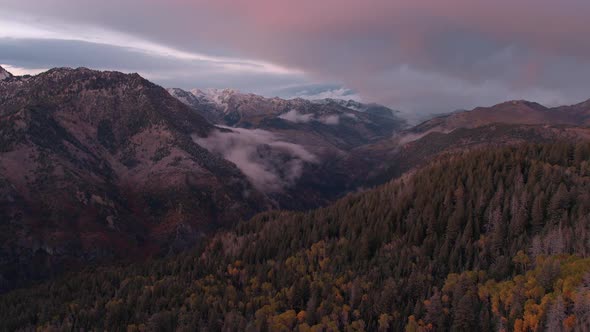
column 418, row 56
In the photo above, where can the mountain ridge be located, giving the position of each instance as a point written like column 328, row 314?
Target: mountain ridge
column 233, row 105
column 510, row 112
column 4, row 74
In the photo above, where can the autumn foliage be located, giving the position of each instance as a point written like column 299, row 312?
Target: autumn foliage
column 477, row 241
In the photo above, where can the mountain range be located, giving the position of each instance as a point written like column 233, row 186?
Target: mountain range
column 99, row 168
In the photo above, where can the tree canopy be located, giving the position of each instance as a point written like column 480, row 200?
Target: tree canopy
column 478, row 240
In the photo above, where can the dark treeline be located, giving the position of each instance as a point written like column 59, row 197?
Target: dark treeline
column 480, row 240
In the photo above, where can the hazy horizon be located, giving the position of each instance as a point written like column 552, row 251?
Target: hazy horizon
column 420, row 57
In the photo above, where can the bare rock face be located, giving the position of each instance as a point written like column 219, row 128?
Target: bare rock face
column 100, row 165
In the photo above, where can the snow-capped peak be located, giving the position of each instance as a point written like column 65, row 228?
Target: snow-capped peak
column 216, row 96
column 358, row 106
column 350, row 104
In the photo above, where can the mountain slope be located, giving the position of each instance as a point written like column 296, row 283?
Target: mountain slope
column 98, row 165
column 512, row 112
column 4, row 74
column 371, row 108
column 389, row 159
column 504, row 124
column 372, row 261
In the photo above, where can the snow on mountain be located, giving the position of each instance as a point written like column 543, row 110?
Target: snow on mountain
column 351, row 104
column 221, row 99
column 185, row 97
column 357, row 106
column 216, row 96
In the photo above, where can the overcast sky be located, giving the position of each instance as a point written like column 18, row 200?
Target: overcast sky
column 418, row 56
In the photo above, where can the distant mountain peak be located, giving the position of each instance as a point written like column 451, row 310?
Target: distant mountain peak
column 358, row 106
column 521, row 102
column 231, row 106
column 4, row 74
column 216, row 96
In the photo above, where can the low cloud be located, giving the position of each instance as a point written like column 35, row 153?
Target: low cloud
column 338, row 93
column 270, row 164
column 331, row 120
column 295, row 116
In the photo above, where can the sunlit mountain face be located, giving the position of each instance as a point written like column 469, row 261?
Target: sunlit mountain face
column 304, row 166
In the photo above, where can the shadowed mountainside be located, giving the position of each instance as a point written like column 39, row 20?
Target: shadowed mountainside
column 98, row 165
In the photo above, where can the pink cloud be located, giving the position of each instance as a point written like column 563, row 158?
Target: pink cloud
column 369, row 45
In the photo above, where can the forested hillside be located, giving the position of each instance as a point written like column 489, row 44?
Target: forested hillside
column 481, row 240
